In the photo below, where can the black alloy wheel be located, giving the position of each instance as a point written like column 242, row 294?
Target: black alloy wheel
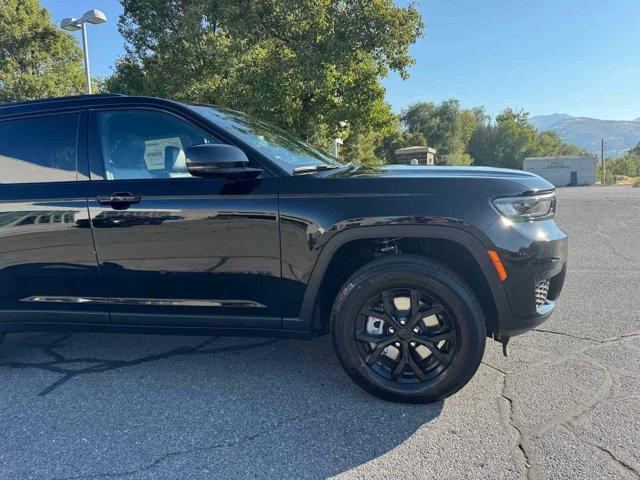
column 407, row 328
column 413, row 343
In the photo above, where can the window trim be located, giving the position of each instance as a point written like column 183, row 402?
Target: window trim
column 80, row 154
column 95, row 153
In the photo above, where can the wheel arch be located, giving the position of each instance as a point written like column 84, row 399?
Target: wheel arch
column 311, row 316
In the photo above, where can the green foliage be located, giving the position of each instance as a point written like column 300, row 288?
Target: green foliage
column 635, row 150
column 549, row 143
column 37, row 60
column 506, row 141
column 458, row 159
column 312, row 67
column 628, row 166
column 604, row 179
column 446, row 127
column 636, row 182
column 469, row 136
column 395, row 140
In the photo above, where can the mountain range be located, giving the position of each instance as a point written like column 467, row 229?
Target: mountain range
column 619, row 135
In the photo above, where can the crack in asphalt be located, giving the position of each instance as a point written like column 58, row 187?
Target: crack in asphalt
column 100, row 365
column 577, row 337
column 589, row 441
column 198, row 449
column 568, row 335
column 602, row 393
column 499, row 370
column 607, row 242
column 510, row 419
column 525, row 435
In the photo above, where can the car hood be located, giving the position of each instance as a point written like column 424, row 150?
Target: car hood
column 530, row 181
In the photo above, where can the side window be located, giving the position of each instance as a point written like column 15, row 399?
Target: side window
column 139, row 144
column 39, row 149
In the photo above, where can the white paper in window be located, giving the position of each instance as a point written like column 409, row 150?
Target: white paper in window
column 154, row 151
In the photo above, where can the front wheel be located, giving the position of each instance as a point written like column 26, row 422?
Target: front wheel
column 407, row 328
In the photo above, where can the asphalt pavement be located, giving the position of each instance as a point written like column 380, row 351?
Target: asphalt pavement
column 565, row 404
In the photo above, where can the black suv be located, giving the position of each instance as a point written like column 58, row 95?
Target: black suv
column 140, row 214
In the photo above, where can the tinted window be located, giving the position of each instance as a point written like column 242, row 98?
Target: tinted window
column 138, row 144
column 38, row 149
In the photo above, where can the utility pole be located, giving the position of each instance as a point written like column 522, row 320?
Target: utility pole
column 604, row 163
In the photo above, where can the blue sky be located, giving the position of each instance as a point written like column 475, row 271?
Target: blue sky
column 580, row 57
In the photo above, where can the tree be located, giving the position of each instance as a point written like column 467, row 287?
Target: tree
column 446, row 127
column 397, row 139
column 506, row 141
column 629, row 166
column 312, row 67
column 635, row 150
column 36, row 59
column 550, row 143
column 458, row 159
column 437, row 123
column 515, row 138
column 468, row 136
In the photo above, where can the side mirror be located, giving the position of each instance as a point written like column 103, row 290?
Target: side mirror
column 219, row 160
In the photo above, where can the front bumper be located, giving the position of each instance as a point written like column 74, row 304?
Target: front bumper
column 532, row 253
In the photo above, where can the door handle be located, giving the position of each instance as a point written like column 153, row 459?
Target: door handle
column 120, row 200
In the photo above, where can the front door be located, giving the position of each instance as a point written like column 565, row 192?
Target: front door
column 48, row 267
column 574, row 179
column 174, row 249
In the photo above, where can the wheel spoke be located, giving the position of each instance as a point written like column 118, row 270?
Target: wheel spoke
column 415, row 307
column 437, row 353
column 404, row 359
column 387, row 302
column 433, row 310
column 375, row 354
column 417, row 315
column 380, row 315
column 387, row 315
column 416, row 369
column 365, row 337
column 435, row 338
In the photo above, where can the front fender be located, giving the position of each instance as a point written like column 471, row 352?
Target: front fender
column 467, row 240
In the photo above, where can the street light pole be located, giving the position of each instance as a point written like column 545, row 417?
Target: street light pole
column 85, row 49
column 71, row 24
column 334, row 146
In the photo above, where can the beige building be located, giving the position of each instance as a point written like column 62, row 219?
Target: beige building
column 563, row 171
column 415, row 156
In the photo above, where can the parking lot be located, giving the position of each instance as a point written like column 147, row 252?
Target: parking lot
column 565, row 404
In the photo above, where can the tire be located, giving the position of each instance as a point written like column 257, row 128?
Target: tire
column 399, row 362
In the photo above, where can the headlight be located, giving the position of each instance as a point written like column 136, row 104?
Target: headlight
column 534, row 207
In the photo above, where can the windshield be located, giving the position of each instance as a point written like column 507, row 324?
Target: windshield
column 283, row 149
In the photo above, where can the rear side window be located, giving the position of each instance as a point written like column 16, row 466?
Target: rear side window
column 39, row 149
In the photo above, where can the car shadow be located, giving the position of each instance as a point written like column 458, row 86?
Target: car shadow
column 190, row 407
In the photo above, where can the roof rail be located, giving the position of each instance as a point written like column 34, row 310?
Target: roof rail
column 55, row 99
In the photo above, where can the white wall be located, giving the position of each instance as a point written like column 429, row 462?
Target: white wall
column 557, row 170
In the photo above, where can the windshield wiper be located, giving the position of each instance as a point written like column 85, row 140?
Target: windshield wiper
column 314, row 168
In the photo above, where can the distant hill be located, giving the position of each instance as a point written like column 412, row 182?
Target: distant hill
column 546, row 122
column 620, row 135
